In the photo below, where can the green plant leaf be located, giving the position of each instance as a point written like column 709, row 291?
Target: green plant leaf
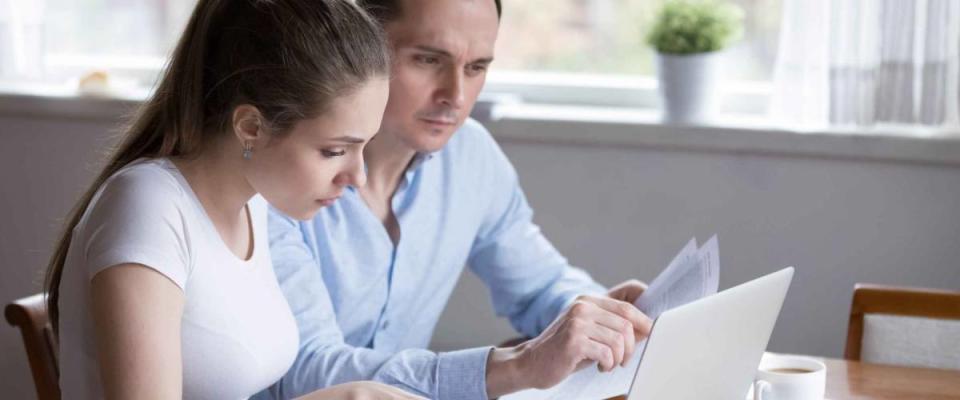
column 695, row 26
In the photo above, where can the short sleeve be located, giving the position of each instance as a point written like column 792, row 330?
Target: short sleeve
column 138, row 217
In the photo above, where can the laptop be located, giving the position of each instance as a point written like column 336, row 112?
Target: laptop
column 706, row 349
column 710, row 348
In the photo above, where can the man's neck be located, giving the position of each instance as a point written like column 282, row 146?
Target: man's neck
column 387, row 159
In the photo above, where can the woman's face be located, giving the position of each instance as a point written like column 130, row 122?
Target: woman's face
column 309, row 167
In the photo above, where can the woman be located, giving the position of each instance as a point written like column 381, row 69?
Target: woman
column 161, row 285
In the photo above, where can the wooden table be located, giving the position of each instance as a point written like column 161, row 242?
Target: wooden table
column 848, row 380
column 856, row 380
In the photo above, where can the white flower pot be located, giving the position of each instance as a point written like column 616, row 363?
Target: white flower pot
column 689, row 86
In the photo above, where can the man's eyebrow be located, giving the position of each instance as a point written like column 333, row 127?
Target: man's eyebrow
column 442, row 52
column 430, row 49
column 484, row 60
column 348, row 139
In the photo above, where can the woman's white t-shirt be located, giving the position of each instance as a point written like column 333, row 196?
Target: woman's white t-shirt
column 238, row 335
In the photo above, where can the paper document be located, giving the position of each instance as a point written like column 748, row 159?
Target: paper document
column 692, row 274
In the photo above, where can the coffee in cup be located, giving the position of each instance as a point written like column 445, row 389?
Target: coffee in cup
column 790, row 378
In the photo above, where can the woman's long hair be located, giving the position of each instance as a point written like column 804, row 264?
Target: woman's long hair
column 288, row 58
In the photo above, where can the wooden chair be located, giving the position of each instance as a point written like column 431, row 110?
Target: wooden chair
column 30, row 315
column 929, row 307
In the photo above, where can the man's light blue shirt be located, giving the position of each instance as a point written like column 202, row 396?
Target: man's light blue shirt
column 366, row 310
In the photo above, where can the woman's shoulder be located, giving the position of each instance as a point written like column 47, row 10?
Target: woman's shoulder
column 141, row 188
column 149, row 176
column 139, row 215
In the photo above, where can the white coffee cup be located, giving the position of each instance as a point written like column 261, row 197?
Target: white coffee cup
column 790, row 378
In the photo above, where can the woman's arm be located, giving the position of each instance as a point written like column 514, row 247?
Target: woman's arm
column 136, row 315
column 365, row 390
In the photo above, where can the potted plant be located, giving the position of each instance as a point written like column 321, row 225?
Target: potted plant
column 689, row 36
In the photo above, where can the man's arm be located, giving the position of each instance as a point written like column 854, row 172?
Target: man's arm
column 529, row 281
column 574, row 321
column 571, row 319
column 324, row 359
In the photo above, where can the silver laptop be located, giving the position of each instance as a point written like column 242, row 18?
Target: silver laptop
column 710, row 348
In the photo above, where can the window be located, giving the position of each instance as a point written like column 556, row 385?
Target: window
column 56, row 39
column 114, row 27
column 601, row 44
column 550, row 51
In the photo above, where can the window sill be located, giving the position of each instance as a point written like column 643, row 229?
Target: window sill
column 64, row 101
column 581, row 125
column 731, row 133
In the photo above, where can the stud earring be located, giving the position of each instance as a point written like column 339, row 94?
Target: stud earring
column 247, row 151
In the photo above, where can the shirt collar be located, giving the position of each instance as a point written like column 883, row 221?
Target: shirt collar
column 419, row 159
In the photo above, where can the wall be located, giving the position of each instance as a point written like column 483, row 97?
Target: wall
column 45, row 164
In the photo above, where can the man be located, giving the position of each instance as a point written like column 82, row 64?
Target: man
column 368, row 277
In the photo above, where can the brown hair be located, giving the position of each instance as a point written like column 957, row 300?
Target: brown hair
column 288, row 58
column 389, row 10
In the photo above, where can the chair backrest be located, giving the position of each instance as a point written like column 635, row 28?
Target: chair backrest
column 904, row 326
column 30, row 315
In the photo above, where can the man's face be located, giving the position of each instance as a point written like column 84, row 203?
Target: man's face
column 442, row 49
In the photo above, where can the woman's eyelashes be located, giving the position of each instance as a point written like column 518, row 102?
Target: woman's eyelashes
column 332, row 153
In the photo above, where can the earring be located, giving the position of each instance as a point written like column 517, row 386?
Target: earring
column 247, row 151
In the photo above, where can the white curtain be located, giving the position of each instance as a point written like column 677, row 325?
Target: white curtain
column 863, row 62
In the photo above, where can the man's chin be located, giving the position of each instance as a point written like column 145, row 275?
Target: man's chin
column 431, row 140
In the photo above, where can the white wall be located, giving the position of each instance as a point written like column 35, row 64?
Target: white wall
column 619, row 211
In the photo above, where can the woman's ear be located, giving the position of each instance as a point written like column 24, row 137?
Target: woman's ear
column 247, row 124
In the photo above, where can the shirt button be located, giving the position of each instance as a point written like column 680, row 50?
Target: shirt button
column 385, row 325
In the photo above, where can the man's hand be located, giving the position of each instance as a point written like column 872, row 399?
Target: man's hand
column 593, row 329
column 628, row 291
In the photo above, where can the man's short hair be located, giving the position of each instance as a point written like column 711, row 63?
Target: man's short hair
column 389, row 10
